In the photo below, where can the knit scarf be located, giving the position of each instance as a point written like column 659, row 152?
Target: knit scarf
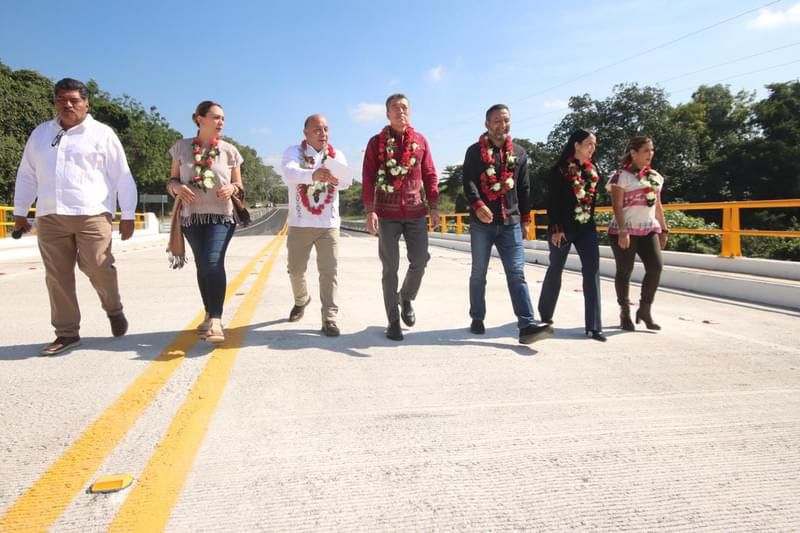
column 176, row 249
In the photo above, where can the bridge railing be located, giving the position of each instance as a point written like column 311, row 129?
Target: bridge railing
column 7, row 220
column 731, row 231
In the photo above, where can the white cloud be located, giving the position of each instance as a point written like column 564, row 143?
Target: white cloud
column 436, row 74
column 551, row 105
column 365, row 112
column 769, row 19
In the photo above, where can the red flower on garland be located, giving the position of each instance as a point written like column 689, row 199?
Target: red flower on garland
column 645, row 177
column 388, row 167
column 492, row 185
column 314, row 191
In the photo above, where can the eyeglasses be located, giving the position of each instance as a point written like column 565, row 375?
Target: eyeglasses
column 73, row 101
column 57, row 138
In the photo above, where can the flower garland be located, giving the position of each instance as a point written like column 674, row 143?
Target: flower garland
column 645, row 178
column 584, row 180
column 313, row 191
column 492, row 185
column 391, row 174
column 203, row 177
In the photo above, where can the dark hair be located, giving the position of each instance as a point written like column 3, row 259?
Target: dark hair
column 568, row 152
column 202, row 110
column 393, row 97
column 634, row 144
column 496, row 107
column 68, row 84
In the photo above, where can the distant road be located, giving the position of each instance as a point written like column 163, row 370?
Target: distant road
column 269, row 224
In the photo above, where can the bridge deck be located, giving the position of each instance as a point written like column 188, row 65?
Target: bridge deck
column 696, row 427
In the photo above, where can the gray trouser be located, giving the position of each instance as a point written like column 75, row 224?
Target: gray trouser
column 415, row 233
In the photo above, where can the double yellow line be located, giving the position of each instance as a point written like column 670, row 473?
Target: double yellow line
column 160, row 482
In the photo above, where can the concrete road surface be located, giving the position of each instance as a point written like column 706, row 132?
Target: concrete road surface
column 693, row 428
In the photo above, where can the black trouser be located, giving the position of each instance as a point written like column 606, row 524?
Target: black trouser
column 585, row 240
column 415, row 233
column 649, row 250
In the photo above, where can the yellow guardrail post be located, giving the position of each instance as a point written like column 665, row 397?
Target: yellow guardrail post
column 442, row 223
column 736, row 237
column 459, row 225
column 532, row 228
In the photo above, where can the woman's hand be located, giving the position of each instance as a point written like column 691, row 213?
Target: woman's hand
column 556, row 238
column 662, row 240
column 184, row 192
column 226, row 191
column 624, row 240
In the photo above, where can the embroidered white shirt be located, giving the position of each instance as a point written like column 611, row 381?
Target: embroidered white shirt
column 80, row 171
column 295, row 175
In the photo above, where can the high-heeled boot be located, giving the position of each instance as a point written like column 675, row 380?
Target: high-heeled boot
column 643, row 313
column 625, row 321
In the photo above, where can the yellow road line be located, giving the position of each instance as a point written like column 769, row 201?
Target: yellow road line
column 150, row 503
column 41, row 505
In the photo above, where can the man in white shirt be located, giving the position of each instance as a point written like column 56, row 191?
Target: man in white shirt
column 76, row 170
column 313, row 219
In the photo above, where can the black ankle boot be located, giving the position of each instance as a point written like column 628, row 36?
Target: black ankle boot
column 643, row 313
column 625, row 321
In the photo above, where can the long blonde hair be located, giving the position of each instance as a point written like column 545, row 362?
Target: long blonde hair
column 636, row 144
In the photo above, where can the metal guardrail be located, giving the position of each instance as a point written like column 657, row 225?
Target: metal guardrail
column 7, row 220
column 730, row 232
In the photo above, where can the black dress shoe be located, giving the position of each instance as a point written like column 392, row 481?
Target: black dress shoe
column 330, row 328
column 533, row 333
column 407, row 313
column 477, row 327
column 119, row 324
column 596, row 335
column 394, row 332
column 297, row 311
column 549, row 321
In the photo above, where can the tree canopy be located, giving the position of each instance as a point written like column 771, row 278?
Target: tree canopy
column 26, row 100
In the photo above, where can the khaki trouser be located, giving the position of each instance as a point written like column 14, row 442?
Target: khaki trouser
column 326, row 241
column 65, row 240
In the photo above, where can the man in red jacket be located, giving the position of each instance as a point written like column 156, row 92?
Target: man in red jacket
column 397, row 167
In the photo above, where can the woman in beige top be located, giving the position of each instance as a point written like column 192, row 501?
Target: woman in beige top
column 205, row 174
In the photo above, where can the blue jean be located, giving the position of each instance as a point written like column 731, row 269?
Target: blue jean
column 508, row 241
column 209, row 243
column 585, row 241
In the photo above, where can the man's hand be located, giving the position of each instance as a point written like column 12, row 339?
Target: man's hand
column 372, row 223
column 126, row 229
column 323, row 175
column 435, row 219
column 526, row 227
column 22, row 223
column 484, row 214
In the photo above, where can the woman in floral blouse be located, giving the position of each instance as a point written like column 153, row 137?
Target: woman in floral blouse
column 571, row 199
column 637, row 228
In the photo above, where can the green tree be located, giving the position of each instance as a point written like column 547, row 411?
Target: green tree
column 632, row 110
column 26, row 100
column 258, row 178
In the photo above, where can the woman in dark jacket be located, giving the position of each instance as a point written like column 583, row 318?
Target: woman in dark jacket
column 571, row 199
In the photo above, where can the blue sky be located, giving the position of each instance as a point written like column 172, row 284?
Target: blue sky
column 270, row 64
